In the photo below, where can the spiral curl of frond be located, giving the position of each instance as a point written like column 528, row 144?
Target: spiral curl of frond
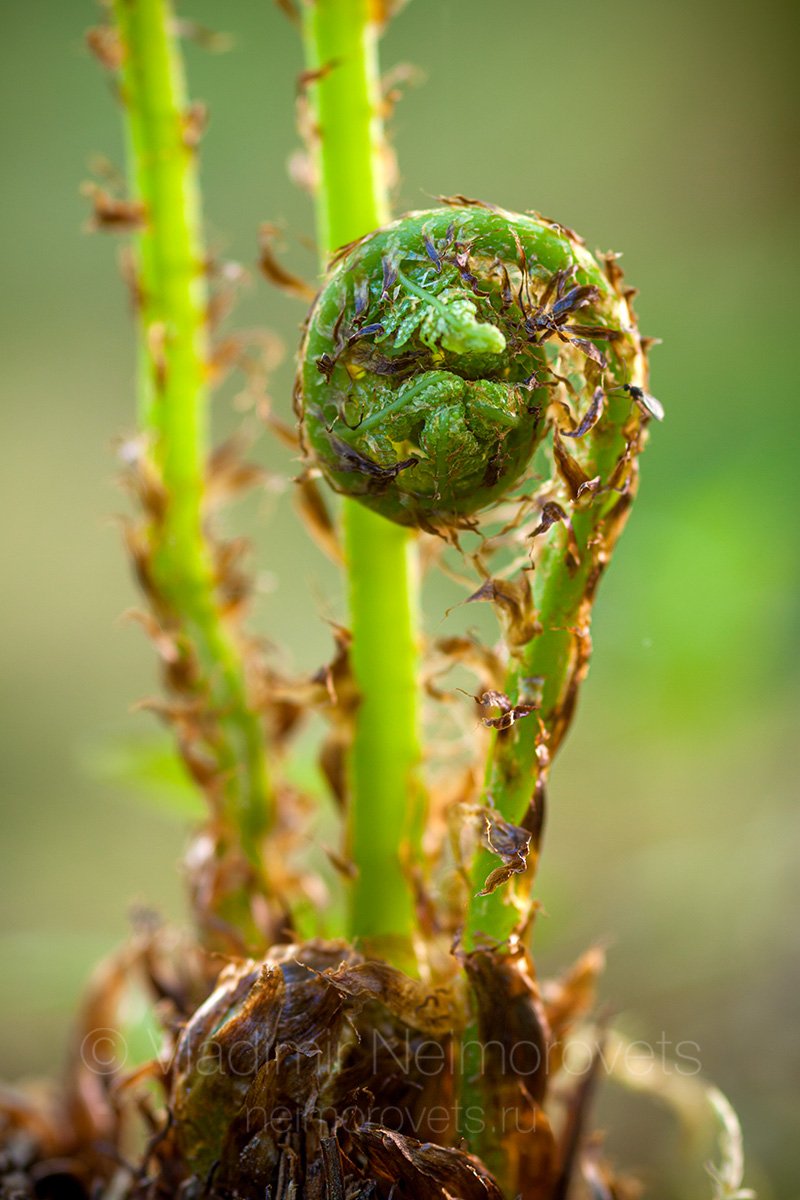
column 435, row 350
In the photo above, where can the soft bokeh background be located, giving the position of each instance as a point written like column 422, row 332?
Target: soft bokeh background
column 662, row 130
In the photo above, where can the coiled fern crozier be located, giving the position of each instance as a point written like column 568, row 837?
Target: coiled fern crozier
column 432, row 355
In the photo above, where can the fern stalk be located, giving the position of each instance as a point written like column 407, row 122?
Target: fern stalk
column 340, row 42
column 555, row 660
column 172, row 295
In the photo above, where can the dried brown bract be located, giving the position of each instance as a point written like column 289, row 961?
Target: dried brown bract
column 274, row 271
column 110, row 214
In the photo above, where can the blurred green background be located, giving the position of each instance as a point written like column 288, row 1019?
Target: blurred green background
column 665, row 131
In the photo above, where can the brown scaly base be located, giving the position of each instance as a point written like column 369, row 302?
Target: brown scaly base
column 314, row 1074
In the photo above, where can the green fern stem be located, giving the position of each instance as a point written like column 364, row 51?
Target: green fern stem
column 172, row 297
column 550, row 669
column 340, row 41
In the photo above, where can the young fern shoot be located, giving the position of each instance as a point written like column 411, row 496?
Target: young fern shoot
column 220, row 734
column 444, row 351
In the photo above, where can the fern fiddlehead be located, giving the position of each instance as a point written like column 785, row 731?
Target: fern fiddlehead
column 430, row 357
column 453, row 359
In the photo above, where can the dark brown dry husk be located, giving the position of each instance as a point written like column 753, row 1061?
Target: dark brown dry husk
column 312, row 1073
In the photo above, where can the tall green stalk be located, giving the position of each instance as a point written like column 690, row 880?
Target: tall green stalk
column 171, row 291
column 340, row 40
column 557, row 658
